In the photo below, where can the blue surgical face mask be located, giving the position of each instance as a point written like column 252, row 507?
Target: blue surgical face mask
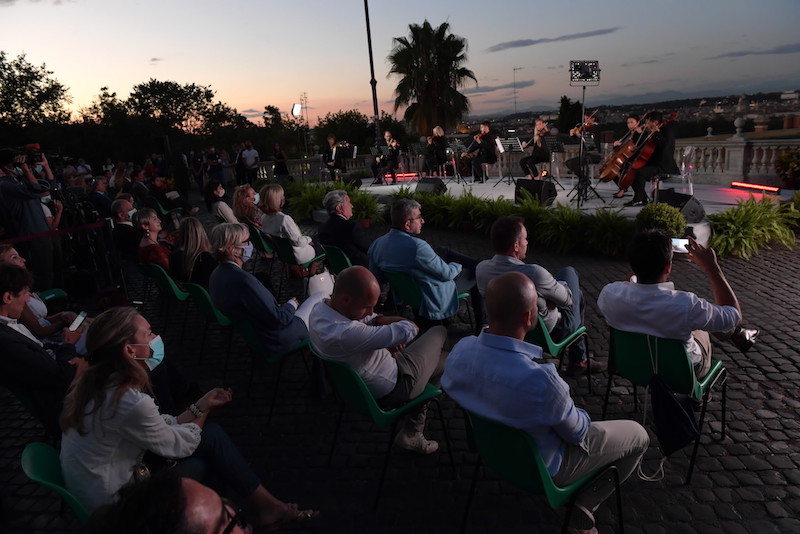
column 46, row 199
column 132, row 212
column 157, row 346
column 257, row 199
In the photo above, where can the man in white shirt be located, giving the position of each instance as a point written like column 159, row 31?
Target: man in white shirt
column 250, row 159
column 345, row 328
column 653, row 306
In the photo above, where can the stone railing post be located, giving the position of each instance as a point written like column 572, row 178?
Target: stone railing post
column 735, row 161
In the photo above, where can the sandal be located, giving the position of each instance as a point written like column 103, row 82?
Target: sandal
column 293, row 514
column 619, row 194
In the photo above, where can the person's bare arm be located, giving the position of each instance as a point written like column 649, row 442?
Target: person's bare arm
column 706, row 259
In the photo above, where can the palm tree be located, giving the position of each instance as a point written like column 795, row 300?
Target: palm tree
column 430, row 63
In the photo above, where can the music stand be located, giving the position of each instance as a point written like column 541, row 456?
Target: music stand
column 457, row 148
column 509, row 145
column 388, row 152
column 554, row 146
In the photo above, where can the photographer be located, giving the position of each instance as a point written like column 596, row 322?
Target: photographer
column 22, row 214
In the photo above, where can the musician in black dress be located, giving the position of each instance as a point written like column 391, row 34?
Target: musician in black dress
column 435, row 152
column 540, row 152
column 386, row 163
column 662, row 160
column 331, row 163
column 591, row 137
column 486, row 149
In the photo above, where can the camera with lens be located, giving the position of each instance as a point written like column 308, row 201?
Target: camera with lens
column 33, row 153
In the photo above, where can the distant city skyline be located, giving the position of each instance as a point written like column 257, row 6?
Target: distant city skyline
column 254, row 54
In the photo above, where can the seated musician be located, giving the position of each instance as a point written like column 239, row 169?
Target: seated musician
column 590, row 130
column 661, row 161
column 386, row 163
column 435, row 152
column 634, row 132
column 486, row 151
column 327, row 153
column 540, row 153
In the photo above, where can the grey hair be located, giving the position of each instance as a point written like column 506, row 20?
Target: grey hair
column 334, row 199
column 225, row 235
column 401, row 211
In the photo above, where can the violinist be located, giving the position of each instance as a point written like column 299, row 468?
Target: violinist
column 589, row 130
column 540, row 153
column 332, row 163
column 662, row 159
column 386, row 163
column 635, row 129
column 486, row 149
column 435, row 152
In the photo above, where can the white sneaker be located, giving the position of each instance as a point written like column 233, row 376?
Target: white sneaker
column 415, row 443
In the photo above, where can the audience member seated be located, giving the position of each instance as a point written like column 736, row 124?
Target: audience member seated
column 150, row 250
column 214, row 195
column 110, row 422
column 169, row 198
column 278, row 224
column 651, row 304
column 42, row 372
column 441, row 275
column 238, row 293
column 169, row 503
column 46, row 328
column 346, row 328
column 126, row 237
column 495, row 376
column 192, row 260
column 561, row 301
column 99, row 197
column 245, row 205
column 340, row 230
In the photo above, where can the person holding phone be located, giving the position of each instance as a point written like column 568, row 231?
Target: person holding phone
column 653, row 306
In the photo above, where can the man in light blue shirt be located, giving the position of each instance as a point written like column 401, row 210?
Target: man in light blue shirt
column 495, row 376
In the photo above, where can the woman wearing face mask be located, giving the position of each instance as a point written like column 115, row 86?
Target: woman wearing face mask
column 111, row 423
column 245, row 209
column 214, row 195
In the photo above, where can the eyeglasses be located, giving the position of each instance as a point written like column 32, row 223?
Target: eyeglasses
column 421, row 218
column 236, row 516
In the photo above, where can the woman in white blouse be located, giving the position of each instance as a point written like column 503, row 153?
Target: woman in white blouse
column 110, row 421
column 276, row 223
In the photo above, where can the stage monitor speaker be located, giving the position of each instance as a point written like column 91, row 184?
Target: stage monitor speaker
column 354, row 181
column 540, row 189
column 691, row 208
column 432, row 185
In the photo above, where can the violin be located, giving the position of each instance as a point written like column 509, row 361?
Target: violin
column 477, row 139
column 583, row 126
column 538, row 133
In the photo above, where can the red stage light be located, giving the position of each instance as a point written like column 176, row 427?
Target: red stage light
column 757, row 187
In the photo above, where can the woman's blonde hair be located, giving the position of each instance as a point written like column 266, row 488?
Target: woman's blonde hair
column 192, row 240
column 226, row 235
column 109, row 367
column 438, row 131
column 271, row 196
column 143, row 216
column 243, row 208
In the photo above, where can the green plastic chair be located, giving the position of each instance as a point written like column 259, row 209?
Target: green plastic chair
column 283, row 247
column 152, row 202
column 167, row 288
column 512, row 453
column 259, row 351
column 629, row 357
column 41, row 464
column 337, row 259
column 202, row 299
column 354, row 393
column 541, row 337
column 406, row 290
column 51, row 296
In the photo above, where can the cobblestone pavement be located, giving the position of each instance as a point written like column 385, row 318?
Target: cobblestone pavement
column 746, row 483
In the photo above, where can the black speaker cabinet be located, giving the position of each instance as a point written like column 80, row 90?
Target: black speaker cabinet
column 354, row 181
column 691, row 208
column 432, row 185
column 540, row 189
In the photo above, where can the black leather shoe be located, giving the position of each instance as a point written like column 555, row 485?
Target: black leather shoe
column 579, row 369
column 636, row 202
column 745, row 338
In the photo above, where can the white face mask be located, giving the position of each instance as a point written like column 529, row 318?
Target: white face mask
column 247, row 252
column 131, row 213
column 220, row 193
column 46, row 199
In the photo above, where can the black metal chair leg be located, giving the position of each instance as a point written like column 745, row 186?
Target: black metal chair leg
column 385, row 465
column 608, row 394
column 275, row 390
column 471, row 495
column 446, row 438
column 336, row 432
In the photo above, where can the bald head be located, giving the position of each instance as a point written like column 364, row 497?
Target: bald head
column 511, row 304
column 355, row 293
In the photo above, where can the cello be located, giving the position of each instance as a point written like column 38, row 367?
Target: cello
column 612, row 166
column 642, row 156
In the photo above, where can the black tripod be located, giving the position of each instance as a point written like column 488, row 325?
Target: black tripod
column 580, row 193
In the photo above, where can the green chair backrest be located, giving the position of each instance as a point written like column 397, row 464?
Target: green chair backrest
column 258, row 241
column 512, row 454
column 284, row 249
column 52, row 294
column 629, row 356
column 203, row 300
column 41, row 464
column 541, row 337
column 337, row 259
column 163, row 280
column 405, row 288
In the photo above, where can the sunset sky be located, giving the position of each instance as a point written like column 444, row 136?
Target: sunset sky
column 258, row 53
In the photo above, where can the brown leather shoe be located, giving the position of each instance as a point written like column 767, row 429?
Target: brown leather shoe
column 579, row 369
column 744, row 338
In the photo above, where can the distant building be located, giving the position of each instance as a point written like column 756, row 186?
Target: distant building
column 790, row 95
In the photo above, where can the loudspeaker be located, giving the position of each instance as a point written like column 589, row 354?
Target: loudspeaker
column 689, row 205
column 355, row 181
column 540, row 189
column 432, row 185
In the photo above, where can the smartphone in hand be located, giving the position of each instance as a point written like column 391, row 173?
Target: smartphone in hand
column 679, row 245
column 77, row 322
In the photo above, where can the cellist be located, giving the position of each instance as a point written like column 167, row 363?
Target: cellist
column 661, row 161
column 634, row 132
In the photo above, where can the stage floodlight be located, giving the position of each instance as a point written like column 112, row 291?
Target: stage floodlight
column 584, row 72
column 297, row 110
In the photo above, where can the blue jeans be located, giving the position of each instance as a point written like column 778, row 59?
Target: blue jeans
column 218, row 463
column 572, row 316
